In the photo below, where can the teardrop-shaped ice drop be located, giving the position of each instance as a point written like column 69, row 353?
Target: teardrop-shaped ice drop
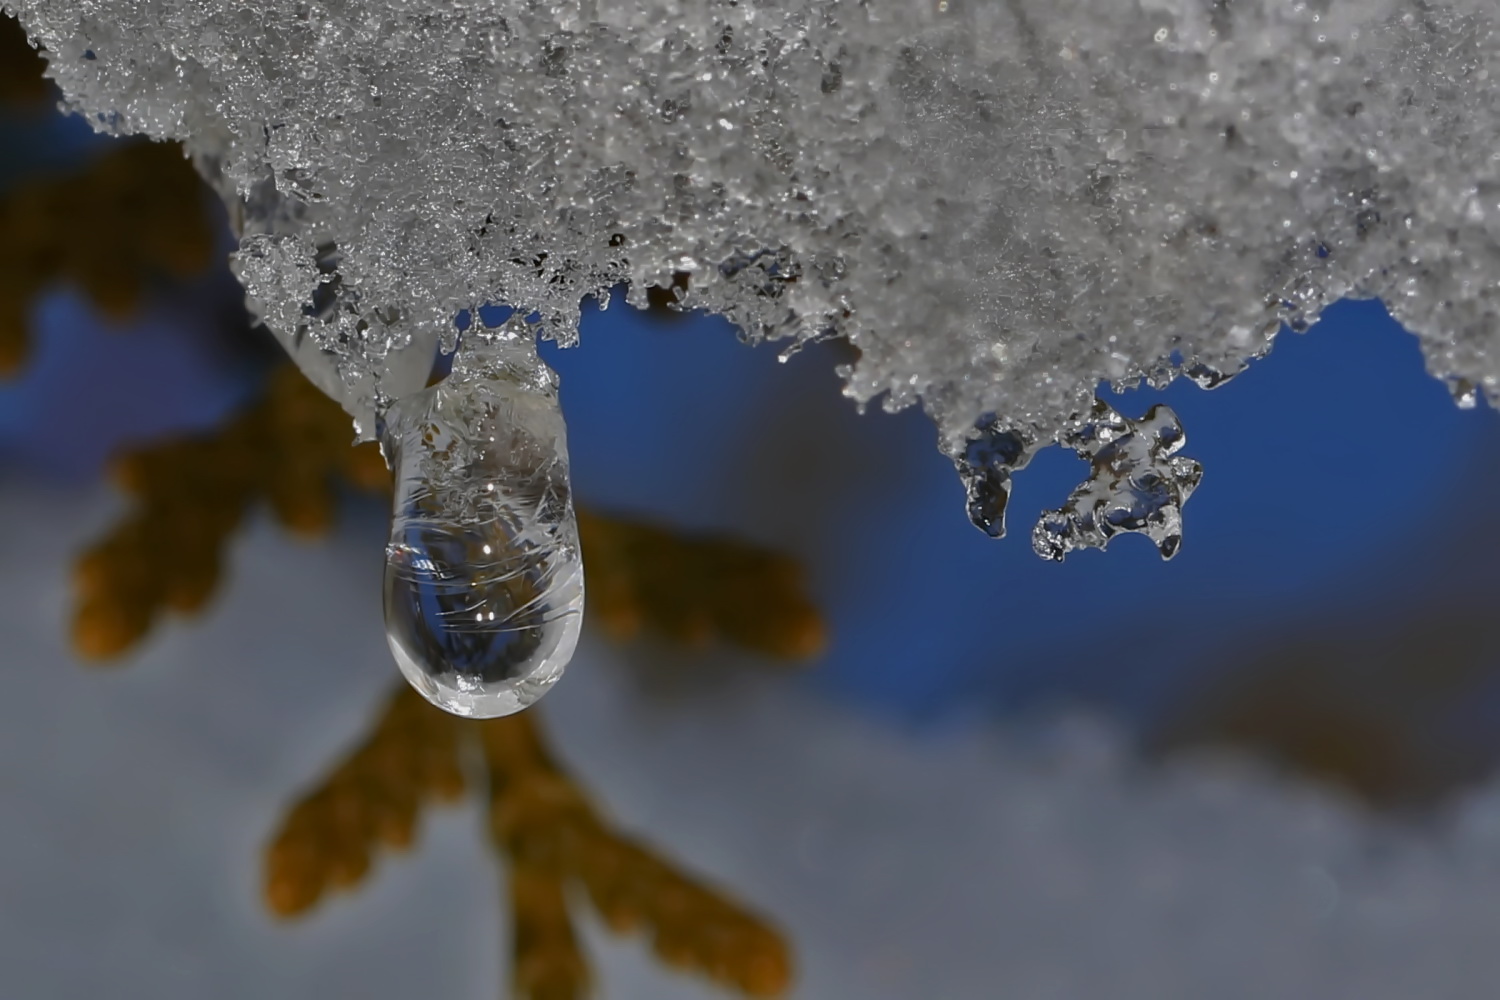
column 483, row 579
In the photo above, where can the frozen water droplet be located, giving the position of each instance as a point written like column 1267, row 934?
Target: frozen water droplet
column 1138, row 484
column 483, row 578
column 991, row 453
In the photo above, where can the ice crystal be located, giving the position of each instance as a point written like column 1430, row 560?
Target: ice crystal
column 1000, row 204
column 1138, row 484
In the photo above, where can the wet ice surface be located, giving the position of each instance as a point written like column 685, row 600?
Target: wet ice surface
column 483, row 577
column 1000, row 204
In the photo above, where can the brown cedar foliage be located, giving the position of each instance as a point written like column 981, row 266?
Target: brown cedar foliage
column 548, row 832
column 132, row 216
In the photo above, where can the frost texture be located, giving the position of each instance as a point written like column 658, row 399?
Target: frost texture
column 1000, row 202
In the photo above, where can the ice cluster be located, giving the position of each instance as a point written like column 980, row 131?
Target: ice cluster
column 1000, row 203
column 1138, row 484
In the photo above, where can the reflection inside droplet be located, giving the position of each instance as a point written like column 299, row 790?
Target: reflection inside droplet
column 483, row 580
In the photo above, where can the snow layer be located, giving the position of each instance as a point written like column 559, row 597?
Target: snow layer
column 999, row 203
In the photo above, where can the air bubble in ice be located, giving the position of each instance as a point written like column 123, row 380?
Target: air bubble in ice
column 483, row 578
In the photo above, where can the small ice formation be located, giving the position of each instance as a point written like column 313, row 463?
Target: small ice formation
column 483, row 579
column 990, row 454
column 1001, row 204
column 1138, row 484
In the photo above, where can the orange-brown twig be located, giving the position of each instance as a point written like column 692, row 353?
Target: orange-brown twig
column 696, row 588
column 373, row 799
column 291, row 448
column 544, row 822
column 132, row 215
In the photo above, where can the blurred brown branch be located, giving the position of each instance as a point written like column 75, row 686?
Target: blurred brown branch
column 291, row 448
column 543, row 821
column 134, row 214
column 695, row 588
column 546, row 960
column 374, row 798
column 551, row 836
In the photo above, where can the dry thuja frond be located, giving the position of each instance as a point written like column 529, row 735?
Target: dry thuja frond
column 372, row 799
column 22, row 85
column 550, row 836
column 291, row 449
column 546, row 960
column 310, row 454
column 544, row 822
column 133, row 215
column 695, row 588
column 190, row 496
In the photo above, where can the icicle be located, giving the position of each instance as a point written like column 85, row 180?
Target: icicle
column 483, row 577
column 990, row 454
